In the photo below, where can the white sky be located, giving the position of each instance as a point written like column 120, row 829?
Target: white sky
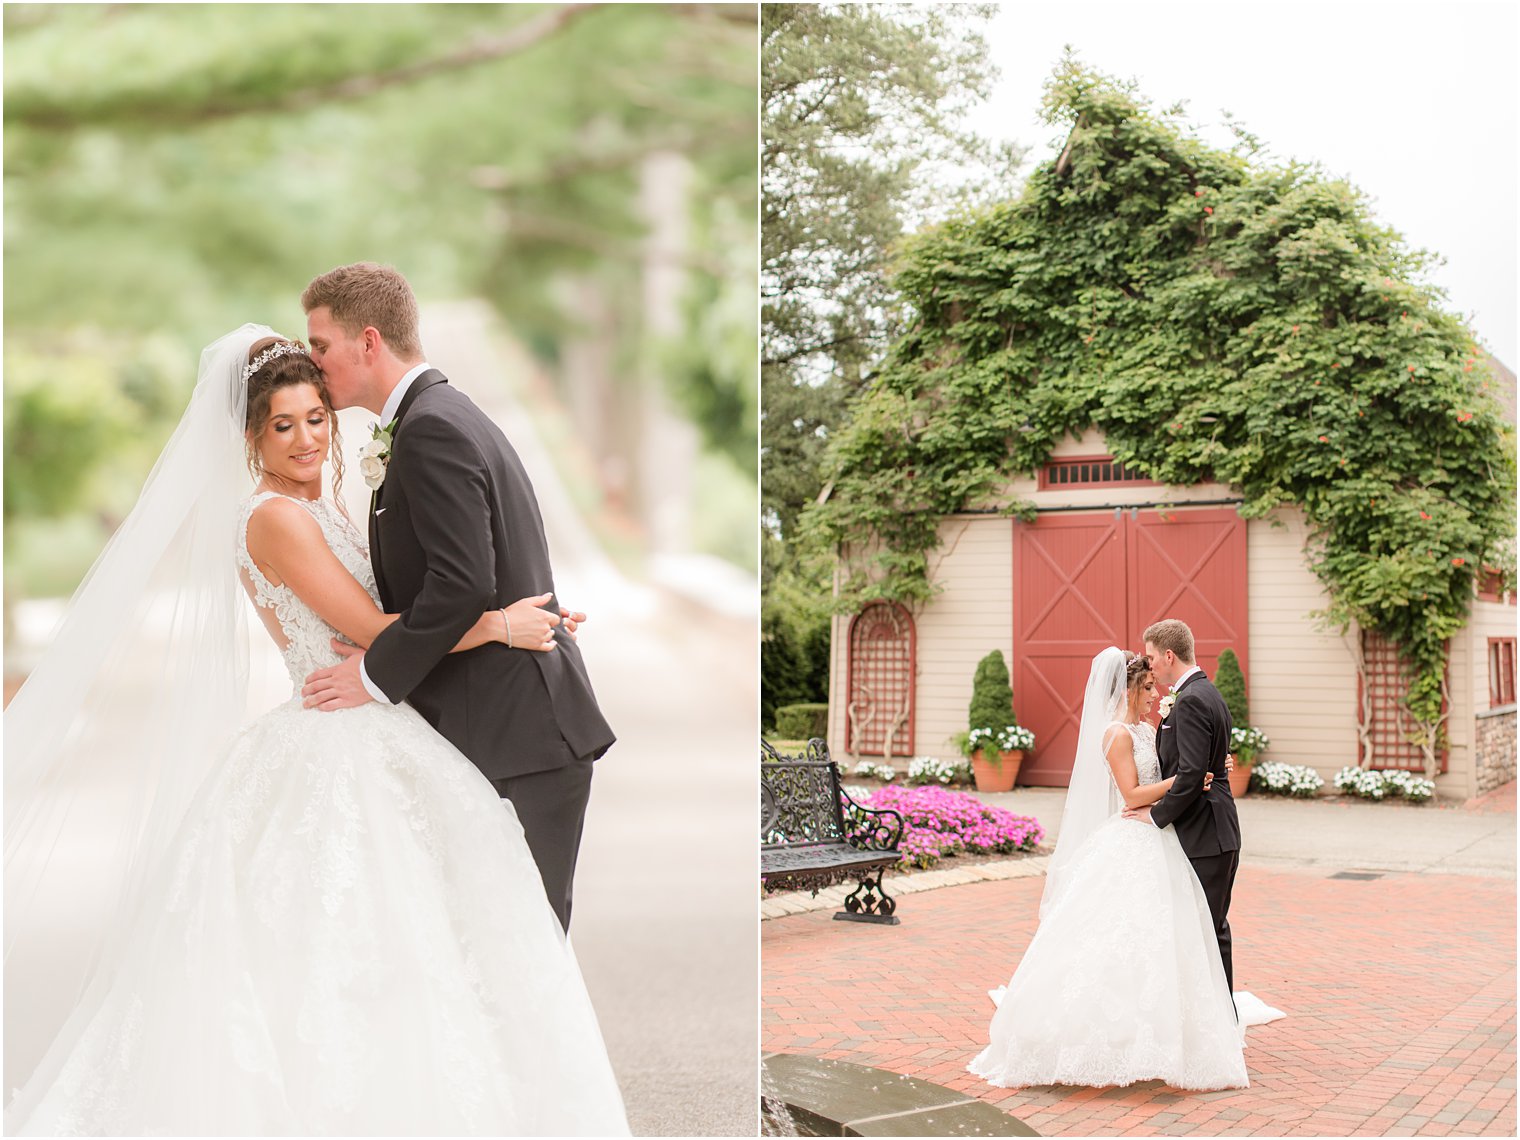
column 1415, row 104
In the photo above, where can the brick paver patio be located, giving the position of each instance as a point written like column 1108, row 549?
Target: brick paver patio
column 1400, row 995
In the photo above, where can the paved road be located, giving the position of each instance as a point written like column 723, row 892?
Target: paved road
column 665, row 920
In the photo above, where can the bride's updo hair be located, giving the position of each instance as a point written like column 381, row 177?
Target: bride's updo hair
column 1137, row 667
column 286, row 371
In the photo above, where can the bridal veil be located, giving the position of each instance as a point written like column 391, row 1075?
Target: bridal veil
column 128, row 708
column 1092, row 797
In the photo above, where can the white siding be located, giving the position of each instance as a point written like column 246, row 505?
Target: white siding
column 971, row 618
column 1302, row 679
column 838, row 690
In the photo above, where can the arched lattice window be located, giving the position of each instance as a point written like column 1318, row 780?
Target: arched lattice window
column 880, row 711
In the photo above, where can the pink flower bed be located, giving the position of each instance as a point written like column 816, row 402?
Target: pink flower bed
column 940, row 823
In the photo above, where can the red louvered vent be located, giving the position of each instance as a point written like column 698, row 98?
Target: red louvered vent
column 1090, row 471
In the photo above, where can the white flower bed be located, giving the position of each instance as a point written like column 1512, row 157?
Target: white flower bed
column 1374, row 785
column 933, row 770
column 1278, row 779
column 867, row 769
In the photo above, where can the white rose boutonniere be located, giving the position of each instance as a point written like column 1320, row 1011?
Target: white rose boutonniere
column 375, row 455
column 1165, row 707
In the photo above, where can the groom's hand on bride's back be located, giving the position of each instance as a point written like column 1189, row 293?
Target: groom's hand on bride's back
column 339, row 686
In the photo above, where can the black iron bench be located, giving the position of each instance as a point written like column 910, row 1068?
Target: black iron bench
column 813, row 835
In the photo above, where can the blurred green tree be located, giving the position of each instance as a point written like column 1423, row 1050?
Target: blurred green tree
column 174, row 170
column 861, row 109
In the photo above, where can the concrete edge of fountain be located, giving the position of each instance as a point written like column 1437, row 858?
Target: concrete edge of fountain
column 822, row 1097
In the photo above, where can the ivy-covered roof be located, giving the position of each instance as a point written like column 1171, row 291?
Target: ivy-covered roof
column 1217, row 317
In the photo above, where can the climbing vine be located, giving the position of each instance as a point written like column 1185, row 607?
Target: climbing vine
column 1217, row 317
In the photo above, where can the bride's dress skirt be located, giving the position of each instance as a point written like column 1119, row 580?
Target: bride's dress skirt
column 1122, row 981
column 349, row 936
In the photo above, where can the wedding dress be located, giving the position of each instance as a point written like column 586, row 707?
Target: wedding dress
column 1122, row 981
column 348, row 935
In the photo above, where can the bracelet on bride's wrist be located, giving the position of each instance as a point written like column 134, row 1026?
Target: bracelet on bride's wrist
column 508, row 620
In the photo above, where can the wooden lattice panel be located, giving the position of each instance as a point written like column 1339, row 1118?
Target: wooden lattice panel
column 880, row 711
column 1390, row 727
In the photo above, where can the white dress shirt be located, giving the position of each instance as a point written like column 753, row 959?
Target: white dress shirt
column 387, row 414
column 1178, row 683
column 398, row 393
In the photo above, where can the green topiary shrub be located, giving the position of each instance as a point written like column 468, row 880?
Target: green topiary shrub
column 991, row 694
column 1231, row 683
column 802, row 722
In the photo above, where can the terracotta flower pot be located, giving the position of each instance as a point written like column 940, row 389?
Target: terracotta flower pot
column 999, row 775
column 1240, row 781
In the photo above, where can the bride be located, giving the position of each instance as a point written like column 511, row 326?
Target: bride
column 331, row 924
column 1122, row 981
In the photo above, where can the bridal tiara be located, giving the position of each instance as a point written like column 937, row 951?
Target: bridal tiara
column 273, row 352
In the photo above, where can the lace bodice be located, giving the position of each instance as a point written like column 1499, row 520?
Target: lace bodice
column 1147, row 762
column 306, row 636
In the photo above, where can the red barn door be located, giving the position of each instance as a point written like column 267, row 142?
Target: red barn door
column 1192, row 567
column 1068, row 602
column 1086, row 581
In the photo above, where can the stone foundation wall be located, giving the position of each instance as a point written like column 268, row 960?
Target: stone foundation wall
column 1494, row 748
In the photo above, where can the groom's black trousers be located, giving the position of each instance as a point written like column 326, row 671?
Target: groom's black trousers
column 552, row 809
column 1216, row 875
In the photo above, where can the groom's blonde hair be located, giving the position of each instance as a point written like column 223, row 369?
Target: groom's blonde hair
column 366, row 294
column 1174, row 635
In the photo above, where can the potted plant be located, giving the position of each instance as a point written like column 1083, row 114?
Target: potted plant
column 1245, row 742
column 993, row 741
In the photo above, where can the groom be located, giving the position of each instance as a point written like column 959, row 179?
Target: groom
column 1193, row 740
column 454, row 529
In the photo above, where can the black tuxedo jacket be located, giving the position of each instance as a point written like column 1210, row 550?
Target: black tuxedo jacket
column 455, row 530
column 1192, row 740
